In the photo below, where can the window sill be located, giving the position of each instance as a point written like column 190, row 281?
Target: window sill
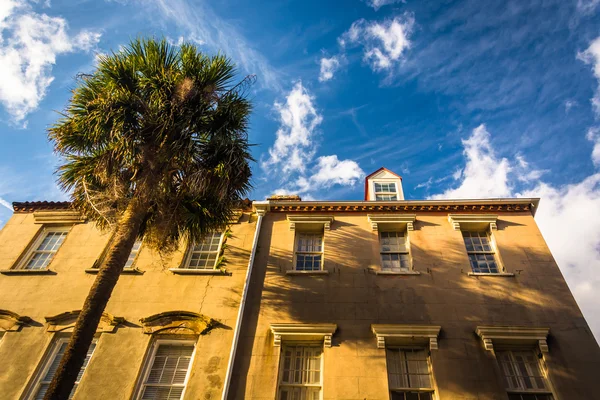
column 27, row 272
column 304, row 273
column 128, row 271
column 397, row 273
column 504, row 274
column 191, row 271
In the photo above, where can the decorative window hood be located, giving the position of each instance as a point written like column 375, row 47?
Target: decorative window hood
column 473, row 221
column 300, row 332
column 402, row 335
column 178, row 323
column 10, row 321
column 324, row 220
column 513, row 335
column 58, row 217
column 396, row 220
column 65, row 322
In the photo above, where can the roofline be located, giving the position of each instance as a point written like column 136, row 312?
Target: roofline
column 30, row 206
column 532, row 201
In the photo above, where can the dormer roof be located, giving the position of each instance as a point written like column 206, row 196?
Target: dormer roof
column 386, row 175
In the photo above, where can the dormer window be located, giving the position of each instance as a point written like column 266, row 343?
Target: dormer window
column 385, row 191
column 383, row 185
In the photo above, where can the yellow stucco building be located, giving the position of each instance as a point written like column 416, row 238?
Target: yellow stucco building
column 378, row 299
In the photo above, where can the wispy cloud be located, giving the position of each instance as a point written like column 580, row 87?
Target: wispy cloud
column 29, row 45
column 292, row 154
column 593, row 136
column 377, row 4
column 203, row 25
column 563, row 215
column 592, row 56
column 587, row 6
column 383, row 43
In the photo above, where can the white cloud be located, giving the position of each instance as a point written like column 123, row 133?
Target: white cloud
column 593, row 135
column 294, row 148
column 484, row 174
column 328, row 67
column 592, row 56
column 29, row 45
column 587, row 6
column 292, row 154
column 383, row 42
column 5, row 204
column 564, row 215
column 376, row 4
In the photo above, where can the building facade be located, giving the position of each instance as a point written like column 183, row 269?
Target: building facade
column 378, row 299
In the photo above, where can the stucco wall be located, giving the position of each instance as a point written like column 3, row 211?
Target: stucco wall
column 354, row 297
column 117, row 360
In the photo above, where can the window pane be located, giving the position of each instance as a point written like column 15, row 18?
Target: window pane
column 42, row 255
column 483, row 263
column 301, row 367
column 385, row 187
column 408, row 368
column 385, row 197
column 204, row 255
column 133, row 254
column 522, row 370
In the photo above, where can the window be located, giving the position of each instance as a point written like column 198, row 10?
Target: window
column 300, row 373
column 309, row 251
column 481, row 252
column 394, row 251
column 409, row 374
column 168, row 370
column 133, row 254
column 204, row 255
column 44, row 248
column 51, row 365
column 385, row 191
column 523, row 375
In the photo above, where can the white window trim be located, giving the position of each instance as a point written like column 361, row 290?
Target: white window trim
column 408, row 252
column 296, row 252
column 431, row 390
column 385, row 181
column 188, row 256
column 147, row 364
column 303, row 332
column 46, row 362
column 324, row 220
column 41, row 235
column 501, row 269
column 406, row 335
column 280, row 371
column 513, row 335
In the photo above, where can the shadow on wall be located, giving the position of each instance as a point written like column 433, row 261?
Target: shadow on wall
column 354, row 297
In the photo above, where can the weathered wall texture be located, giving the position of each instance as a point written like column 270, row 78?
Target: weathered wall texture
column 353, row 297
column 115, row 365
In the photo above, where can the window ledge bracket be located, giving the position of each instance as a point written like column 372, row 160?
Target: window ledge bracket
column 191, row 271
column 44, row 271
column 294, row 272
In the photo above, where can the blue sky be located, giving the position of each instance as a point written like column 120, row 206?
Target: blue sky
column 462, row 98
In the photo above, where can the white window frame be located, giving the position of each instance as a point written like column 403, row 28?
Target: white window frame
column 376, row 193
column 406, row 245
column 190, row 250
column 32, row 250
column 412, row 389
column 317, row 344
column 296, row 245
column 132, row 266
column 46, row 362
column 542, row 366
column 493, row 252
column 149, row 359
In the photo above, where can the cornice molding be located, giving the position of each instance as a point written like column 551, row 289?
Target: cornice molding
column 58, row 217
column 65, row 322
column 177, row 323
column 401, row 219
column 12, row 322
column 401, row 334
column 324, row 220
column 513, row 335
column 298, row 332
column 466, row 221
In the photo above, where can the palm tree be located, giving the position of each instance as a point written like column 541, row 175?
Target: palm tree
column 154, row 144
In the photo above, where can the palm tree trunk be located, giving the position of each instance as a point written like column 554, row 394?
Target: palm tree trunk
column 87, row 322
